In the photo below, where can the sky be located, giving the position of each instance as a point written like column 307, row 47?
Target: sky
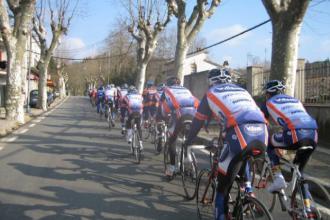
column 232, row 16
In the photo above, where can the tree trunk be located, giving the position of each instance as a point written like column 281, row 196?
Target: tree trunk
column 285, row 53
column 141, row 76
column 61, row 87
column 180, row 51
column 14, row 96
column 180, row 55
column 42, row 86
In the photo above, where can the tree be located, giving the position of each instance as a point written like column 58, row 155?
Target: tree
column 188, row 29
column 287, row 17
column 146, row 22
column 60, row 17
column 14, row 35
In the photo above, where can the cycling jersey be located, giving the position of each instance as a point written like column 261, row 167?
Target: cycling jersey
column 133, row 103
column 150, row 97
column 289, row 113
column 178, row 100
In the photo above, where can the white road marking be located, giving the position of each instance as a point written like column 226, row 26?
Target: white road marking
column 1, row 148
column 37, row 121
column 22, row 131
column 42, row 117
column 32, row 125
column 8, row 140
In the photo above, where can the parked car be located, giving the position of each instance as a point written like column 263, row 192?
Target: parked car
column 34, row 98
column 50, row 98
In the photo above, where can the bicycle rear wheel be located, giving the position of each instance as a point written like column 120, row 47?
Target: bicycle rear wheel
column 261, row 179
column 298, row 207
column 205, row 195
column 166, row 156
column 252, row 208
column 137, row 149
column 189, row 176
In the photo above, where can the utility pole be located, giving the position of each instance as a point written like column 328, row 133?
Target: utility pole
column 29, row 74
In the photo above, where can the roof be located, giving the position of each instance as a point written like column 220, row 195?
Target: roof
column 189, row 55
column 213, row 63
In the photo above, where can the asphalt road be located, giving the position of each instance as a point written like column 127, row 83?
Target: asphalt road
column 67, row 165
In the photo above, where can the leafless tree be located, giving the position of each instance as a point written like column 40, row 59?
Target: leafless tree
column 60, row 13
column 187, row 29
column 287, row 17
column 147, row 20
column 14, row 35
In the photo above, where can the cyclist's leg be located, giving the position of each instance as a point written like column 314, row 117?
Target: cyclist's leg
column 129, row 128
column 173, row 130
column 122, row 117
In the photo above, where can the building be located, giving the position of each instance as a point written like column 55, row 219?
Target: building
column 35, row 56
column 194, row 63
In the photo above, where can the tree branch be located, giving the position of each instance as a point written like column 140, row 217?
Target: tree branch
column 5, row 29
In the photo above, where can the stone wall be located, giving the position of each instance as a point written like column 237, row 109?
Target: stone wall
column 322, row 115
column 197, row 83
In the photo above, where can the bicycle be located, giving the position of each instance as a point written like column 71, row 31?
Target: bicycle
column 241, row 204
column 160, row 137
column 109, row 114
column 297, row 207
column 135, row 145
column 188, row 170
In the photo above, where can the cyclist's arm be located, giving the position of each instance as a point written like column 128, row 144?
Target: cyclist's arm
column 203, row 113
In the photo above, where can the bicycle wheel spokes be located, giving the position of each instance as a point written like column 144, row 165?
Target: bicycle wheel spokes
column 205, row 195
column 189, row 178
column 262, row 179
column 253, row 209
column 166, row 157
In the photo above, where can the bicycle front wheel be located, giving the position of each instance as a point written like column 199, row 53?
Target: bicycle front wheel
column 261, row 178
column 205, row 195
column 166, row 157
column 252, row 208
column 189, row 176
column 137, row 149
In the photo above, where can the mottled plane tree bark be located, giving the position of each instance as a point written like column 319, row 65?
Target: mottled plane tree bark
column 60, row 14
column 14, row 34
column 146, row 22
column 187, row 28
column 287, row 17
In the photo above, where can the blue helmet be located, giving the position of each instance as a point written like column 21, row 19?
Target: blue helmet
column 274, row 87
column 150, row 83
column 132, row 90
column 219, row 76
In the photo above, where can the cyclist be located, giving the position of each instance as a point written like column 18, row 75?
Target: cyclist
column 150, row 102
column 133, row 102
column 109, row 100
column 243, row 128
column 298, row 129
column 176, row 104
column 100, row 99
column 120, row 96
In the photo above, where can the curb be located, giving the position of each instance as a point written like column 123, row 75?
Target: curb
column 28, row 117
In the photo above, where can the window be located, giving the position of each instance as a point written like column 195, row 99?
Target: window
column 193, row 67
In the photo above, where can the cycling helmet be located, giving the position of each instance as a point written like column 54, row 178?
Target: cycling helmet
column 274, row 87
column 108, row 87
column 161, row 87
column 218, row 76
column 150, row 83
column 132, row 89
column 173, row 81
column 124, row 86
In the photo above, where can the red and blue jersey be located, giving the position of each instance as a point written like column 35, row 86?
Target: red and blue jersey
column 231, row 105
column 289, row 113
column 179, row 100
column 150, row 97
column 133, row 103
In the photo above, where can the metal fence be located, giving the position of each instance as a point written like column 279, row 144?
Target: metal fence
column 312, row 82
column 317, row 82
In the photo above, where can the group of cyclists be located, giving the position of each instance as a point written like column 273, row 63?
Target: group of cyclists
column 244, row 125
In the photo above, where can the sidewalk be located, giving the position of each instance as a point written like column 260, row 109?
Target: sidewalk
column 7, row 127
